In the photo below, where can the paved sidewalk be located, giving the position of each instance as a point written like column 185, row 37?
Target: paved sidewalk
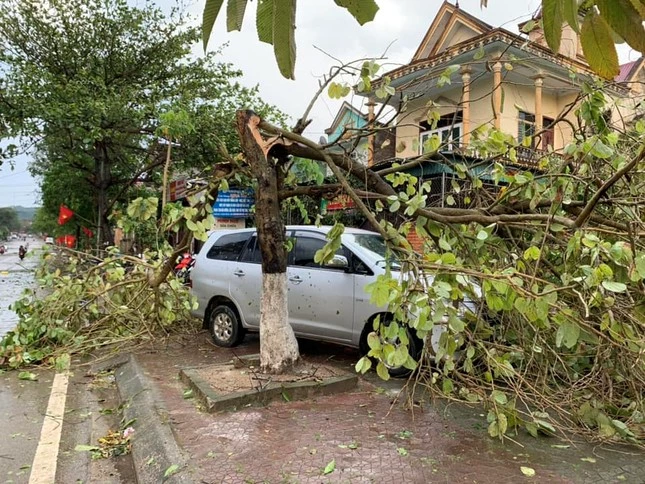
column 369, row 438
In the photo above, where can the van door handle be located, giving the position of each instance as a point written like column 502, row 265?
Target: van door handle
column 239, row 273
column 295, row 279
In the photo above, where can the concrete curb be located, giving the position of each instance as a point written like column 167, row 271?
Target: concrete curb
column 215, row 402
column 154, row 448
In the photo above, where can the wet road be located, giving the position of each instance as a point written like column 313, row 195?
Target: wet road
column 15, row 275
column 22, row 403
column 22, row 407
column 43, row 421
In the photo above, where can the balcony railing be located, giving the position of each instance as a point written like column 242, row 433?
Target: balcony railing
column 524, row 156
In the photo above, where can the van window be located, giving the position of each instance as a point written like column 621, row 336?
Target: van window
column 228, row 247
column 306, row 248
column 252, row 252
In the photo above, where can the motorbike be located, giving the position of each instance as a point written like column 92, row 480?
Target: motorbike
column 183, row 267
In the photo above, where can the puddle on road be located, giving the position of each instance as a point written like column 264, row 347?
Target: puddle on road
column 12, row 284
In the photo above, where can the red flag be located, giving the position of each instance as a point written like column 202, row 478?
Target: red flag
column 64, row 215
column 88, row 232
column 66, row 240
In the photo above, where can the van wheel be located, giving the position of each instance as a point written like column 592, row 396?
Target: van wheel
column 415, row 346
column 224, row 326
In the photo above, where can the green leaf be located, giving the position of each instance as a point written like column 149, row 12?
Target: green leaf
column 363, row 365
column 400, row 356
column 62, row 362
column 410, row 363
column 171, row 470
column 211, row 11
column 373, row 341
column 362, row 10
column 601, row 150
column 284, row 42
column 235, row 14
column 531, row 428
column 502, row 422
column 570, row 13
column 27, row 375
column 614, row 286
column 86, row 448
column 480, row 53
column 431, row 144
column 532, row 253
column 493, row 429
column 625, row 20
column 499, row 397
column 552, row 19
column 338, row 91
column 402, row 451
column 527, row 471
column 264, row 21
column 598, row 45
column 567, row 334
column 329, row 468
column 381, row 371
column 639, row 5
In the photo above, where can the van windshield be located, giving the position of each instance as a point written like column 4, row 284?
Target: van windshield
column 374, row 247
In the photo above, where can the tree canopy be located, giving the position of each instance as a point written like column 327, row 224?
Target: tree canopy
column 8, row 221
column 85, row 85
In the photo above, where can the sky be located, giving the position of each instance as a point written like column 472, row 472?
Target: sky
column 324, row 32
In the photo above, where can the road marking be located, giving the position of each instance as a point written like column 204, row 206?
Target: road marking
column 43, row 469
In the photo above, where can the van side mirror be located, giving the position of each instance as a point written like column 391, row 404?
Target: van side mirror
column 338, row 262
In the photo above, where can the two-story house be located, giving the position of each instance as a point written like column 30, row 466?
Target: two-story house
column 497, row 78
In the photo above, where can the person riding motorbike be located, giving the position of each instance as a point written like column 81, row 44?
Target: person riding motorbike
column 185, row 263
column 21, row 252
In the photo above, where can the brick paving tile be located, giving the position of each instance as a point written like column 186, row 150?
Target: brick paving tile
column 293, row 442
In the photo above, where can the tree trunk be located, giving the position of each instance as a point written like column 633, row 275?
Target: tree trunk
column 102, row 176
column 278, row 345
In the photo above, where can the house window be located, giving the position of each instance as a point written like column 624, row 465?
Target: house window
column 449, row 130
column 526, row 129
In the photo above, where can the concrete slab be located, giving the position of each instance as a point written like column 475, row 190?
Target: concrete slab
column 214, row 401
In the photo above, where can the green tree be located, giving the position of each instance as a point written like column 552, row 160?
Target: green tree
column 87, row 82
column 44, row 222
column 9, row 219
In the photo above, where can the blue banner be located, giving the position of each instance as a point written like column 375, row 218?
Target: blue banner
column 234, row 204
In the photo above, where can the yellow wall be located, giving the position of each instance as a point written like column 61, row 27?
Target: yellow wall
column 408, row 129
column 481, row 112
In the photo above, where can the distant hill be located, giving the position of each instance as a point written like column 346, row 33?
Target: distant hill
column 25, row 213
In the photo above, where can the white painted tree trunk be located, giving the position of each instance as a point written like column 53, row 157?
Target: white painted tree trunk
column 278, row 345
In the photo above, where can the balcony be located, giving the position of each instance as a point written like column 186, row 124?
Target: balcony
column 525, row 156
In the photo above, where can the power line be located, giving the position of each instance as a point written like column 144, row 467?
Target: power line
column 13, row 174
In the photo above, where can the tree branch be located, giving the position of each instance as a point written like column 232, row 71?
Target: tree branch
column 310, row 190
column 586, row 212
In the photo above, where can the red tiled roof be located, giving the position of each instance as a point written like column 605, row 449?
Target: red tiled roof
column 625, row 71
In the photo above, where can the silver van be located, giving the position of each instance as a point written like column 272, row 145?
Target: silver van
column 326, row 302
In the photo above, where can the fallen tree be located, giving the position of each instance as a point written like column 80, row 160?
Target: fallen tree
column 555, row 259
column 558, row 338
